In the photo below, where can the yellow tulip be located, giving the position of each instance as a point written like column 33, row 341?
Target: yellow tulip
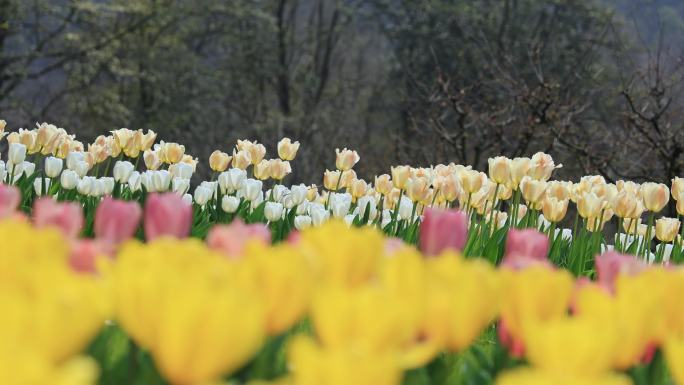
column 500, row 169
column 400, row 175
column 532, row 296
column 331, row 180
column 463, row 298
column 341, row 255
column 667, row 229
column 656, row 196
column 589, row 205
column 241, row 159
column 219, row 161
column 533, row 190
column 279, row 169
column 526, row 376
column 554, row 210
column 171, row 153
column 472, row 181
column 287, row 150
column 358, row 188
column 559, row 189
column 677, row 187
column 519, row 168
column 417, row 189
column 346, row 159
column 317, row 365
column 165, row 289
column 674, row 354
column 262, row 170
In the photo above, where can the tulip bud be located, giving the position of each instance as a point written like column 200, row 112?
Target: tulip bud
column 10, row 197
column 219, row 161
column 666, row 229
column 472, row 180
column 346, row 159
column 533, row 190
column 525, row 247
column 442, row 230
column 230, row 204
column 16, row 153
column 116, row 220
column 287, row 150
column 152, row 159
column 656, row 196
column 298, row 194
column 232, row 239
column 589, row 205
column 677, row 187
column 554, row 210
column 519, row 168
column 251, row 189
column 122, row 171
column 241, row 160
column 383, row 184
column 38, row 185
column 28, row 168
column 302, row 222
column 400, row 176
column 202, row 195
column 331, row 180
column 134, row 181
column 67, row 217
column 278, row 169
column 273, row 211
column 53, row 166
column 180, row 186
column 319, row 216
column 182, row 170
column 500, row 169
column 231, row 180
column 167, row 215
column 417, row 189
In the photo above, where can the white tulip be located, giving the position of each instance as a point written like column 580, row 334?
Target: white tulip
column 298, row 194
column 257, row 201
column 147, row 182
column 251, row 188
column 135, row 181
column 278, row 192
column 319, row 216
column 181, row 170
column 302, row 222
column 53, row 166
column 202, row 195
column 187, row 198
column 386, row 218
column 38, row 185
column 273, row 211
column 302, row 208
column 107, row 184
column 122, row 171
column 367, row 203
column 340, row 208
column 667, row 252
column 287, row 202
column 3, row 171
column 213, row 186
column 231, row 180
column 405, row 208
column 28, row 168
column 349, row 219
column 180, row 186
column 161, row 180
column 97, row 188
column 85, row 185
column 230, row 204
column 81, row 169
column 74, row 158
column 315, row 206
column 16, row 153
column 566, row 234
column 69, row 179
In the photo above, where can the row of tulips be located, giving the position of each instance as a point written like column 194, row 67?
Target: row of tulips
column 515, row 193
column 332, row 305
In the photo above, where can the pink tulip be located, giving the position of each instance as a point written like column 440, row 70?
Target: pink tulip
column 611, row 264
column 294, row 237
column 68, row 217
column 443, row 230
column 231, row 239
column 525, row 247
column 167, row 215
column 10, row 197
column 116, row 220
column 515, row 347
column 84, row 254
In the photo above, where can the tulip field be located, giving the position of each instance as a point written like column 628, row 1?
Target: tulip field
column 113, row 272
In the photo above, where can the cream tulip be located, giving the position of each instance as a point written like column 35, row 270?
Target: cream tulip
column 346, row 159
column 287, row 150
column 666, row 229
column 500, row 169
column 656, row 196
